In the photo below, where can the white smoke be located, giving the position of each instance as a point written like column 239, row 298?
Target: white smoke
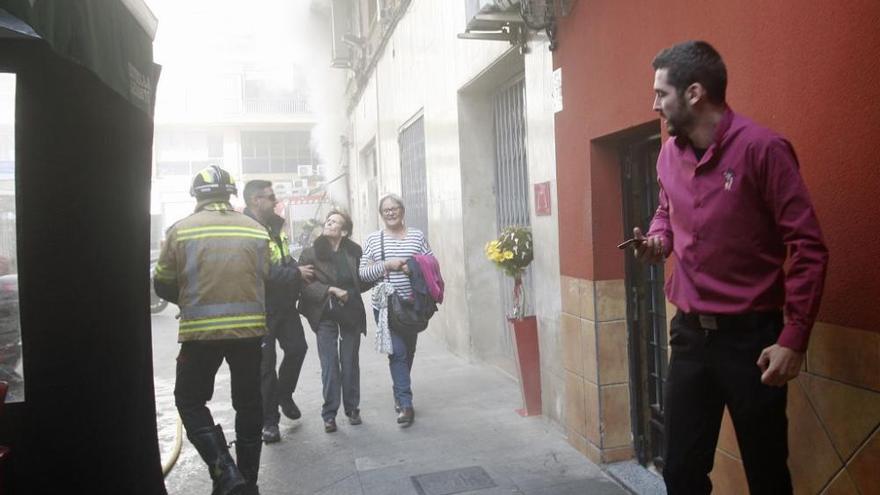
column 326, row 90
column 286, row 41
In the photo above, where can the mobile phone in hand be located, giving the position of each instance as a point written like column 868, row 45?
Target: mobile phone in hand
column 625, row 244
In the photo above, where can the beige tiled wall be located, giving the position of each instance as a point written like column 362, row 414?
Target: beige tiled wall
column 833, row 406
column 834, row 419
column 842, row 484
column 612, row 353
column 594, row 354
column 849, row 355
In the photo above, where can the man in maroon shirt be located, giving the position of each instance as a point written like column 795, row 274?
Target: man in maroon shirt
column 732, row 208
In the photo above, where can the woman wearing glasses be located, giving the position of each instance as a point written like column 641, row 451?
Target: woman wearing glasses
column 332, row 304
column 385, row 255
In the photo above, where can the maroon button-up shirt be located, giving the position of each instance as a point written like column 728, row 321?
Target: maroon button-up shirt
column 730, row 218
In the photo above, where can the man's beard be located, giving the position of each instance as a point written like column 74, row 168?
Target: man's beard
column 677, row 124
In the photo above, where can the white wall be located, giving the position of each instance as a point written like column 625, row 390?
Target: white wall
column 426, row 69
column 545, row 229
column 421, row 70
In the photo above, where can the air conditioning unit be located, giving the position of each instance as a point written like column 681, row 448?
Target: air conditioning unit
column 320, row 170
column 340, row 25
column 489, row 15
column 498, row 20
column 304, row 170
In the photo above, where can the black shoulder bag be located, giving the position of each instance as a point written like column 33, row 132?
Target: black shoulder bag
column 403, row 317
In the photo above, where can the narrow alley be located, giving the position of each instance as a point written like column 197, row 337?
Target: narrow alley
column 466, row 421
column 649, row 221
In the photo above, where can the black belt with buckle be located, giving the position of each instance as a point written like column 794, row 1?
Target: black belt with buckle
column 727, row 322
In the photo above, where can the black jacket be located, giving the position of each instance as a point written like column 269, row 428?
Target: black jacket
column 284, row 283
column 315, row 295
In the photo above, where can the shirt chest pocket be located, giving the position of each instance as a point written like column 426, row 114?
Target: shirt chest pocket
column 730, row 206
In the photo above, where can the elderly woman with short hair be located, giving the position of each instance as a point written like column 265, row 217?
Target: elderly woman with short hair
column 333, row 306
column 400, row 243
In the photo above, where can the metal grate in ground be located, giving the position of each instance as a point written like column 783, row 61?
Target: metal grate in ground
column 453, row 481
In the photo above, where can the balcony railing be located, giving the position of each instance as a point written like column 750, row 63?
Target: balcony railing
column 286, row 106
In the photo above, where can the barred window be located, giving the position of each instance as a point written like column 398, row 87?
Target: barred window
column 413, row 175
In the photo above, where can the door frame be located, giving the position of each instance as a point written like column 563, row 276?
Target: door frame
column 645, row 300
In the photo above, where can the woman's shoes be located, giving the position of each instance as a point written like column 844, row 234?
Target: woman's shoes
column 354, row 417
column 406, row 416
column 271, row 434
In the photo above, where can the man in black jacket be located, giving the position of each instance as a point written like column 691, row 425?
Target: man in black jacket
column 282, row 318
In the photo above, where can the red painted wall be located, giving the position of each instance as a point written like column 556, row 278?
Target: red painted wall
column 809, row 69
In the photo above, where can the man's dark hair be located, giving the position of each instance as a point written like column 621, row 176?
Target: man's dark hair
column 694, row 61
column 347, row 224
column 254, row 188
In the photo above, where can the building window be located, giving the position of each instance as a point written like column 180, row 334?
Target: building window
column 276, row 152
column 413, row 174
column 186, row 152
column 11, row 366
column 512, row 175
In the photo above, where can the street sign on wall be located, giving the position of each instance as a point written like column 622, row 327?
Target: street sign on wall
column 542, row 199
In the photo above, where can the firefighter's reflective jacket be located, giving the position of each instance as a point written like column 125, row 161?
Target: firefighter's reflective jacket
column 214, row 266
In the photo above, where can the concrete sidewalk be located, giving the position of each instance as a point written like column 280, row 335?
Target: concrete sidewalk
column 467, row 438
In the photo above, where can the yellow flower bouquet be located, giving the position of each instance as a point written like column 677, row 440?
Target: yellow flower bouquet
column 513, row 251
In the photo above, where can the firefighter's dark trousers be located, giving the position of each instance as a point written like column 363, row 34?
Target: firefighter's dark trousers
column 197, row 365
column 711, row 368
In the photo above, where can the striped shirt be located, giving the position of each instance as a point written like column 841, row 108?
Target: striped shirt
column 372, row 269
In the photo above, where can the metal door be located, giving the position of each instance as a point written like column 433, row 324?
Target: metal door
column 646, row 303
column 512, row 176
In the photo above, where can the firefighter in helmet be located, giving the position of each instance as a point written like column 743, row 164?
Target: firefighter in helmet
column 214, row 266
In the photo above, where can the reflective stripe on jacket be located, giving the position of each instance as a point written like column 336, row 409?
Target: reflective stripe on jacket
column 219, row 260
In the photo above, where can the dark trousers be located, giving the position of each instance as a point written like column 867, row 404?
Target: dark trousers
column 278, row 387
column 708, row 370
column 197, row 365
column 338, row 349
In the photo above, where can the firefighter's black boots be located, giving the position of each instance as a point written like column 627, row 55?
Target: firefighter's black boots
column 212, row 446
column 247, row 453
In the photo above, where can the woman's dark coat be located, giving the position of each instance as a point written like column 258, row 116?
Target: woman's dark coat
column 314, row 296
